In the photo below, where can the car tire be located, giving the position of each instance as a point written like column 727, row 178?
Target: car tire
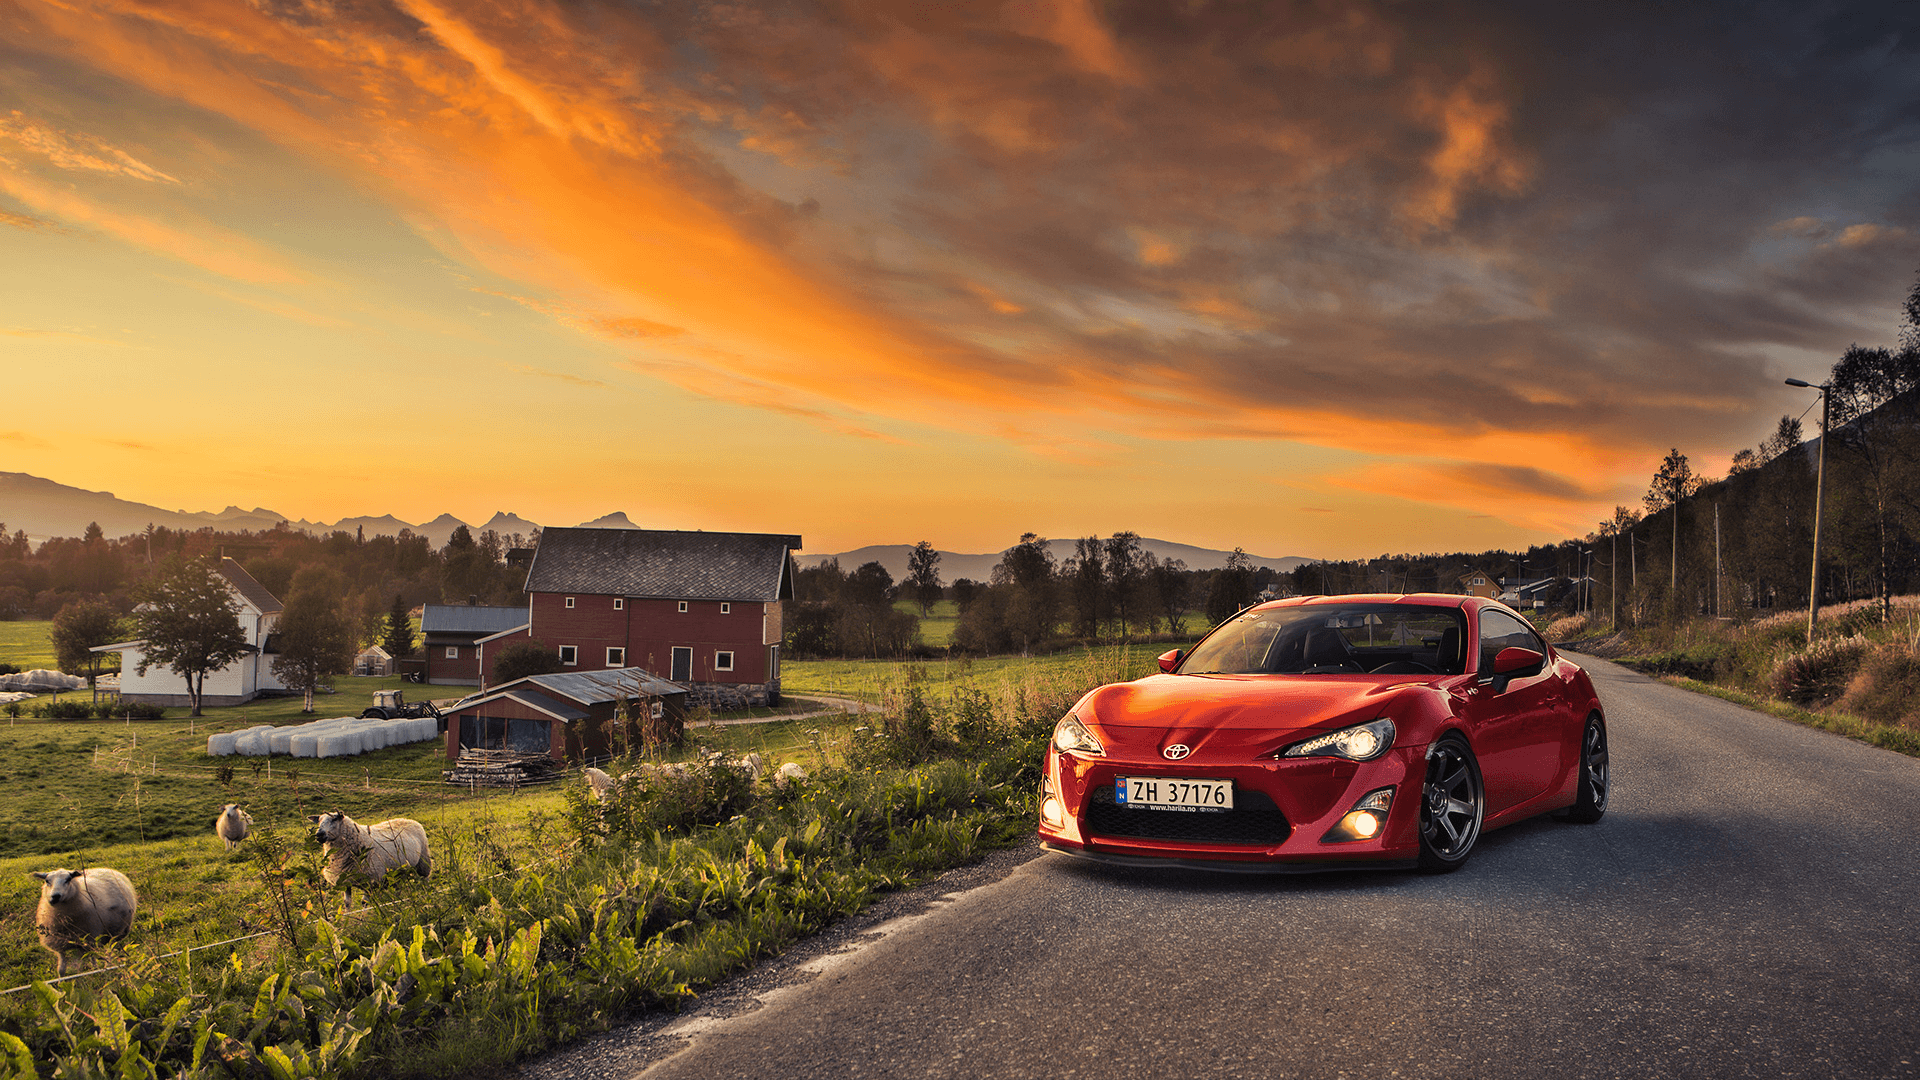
column 1595, row 781
column 1453, row 805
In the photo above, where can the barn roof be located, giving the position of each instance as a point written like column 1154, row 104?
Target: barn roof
column 252, row 591
column 673, row 565
column 464, row 619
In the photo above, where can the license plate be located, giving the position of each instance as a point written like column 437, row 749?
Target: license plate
column 1172, row 793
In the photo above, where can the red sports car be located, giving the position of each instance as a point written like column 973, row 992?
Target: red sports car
column 1322, row 732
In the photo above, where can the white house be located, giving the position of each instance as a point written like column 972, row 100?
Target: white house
column 242, row 680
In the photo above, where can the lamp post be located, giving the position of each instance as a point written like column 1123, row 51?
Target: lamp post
column 1819, row 490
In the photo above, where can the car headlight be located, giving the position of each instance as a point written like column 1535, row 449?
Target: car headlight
column 1072, row 735
column 1362, row 742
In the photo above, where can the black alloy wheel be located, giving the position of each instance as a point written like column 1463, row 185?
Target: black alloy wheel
column 1595, row 782
column 1453, row 802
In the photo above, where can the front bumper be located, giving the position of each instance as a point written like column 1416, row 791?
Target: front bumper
column 1311, row 794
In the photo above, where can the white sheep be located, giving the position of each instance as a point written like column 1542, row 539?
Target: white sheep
column 232, row 825
column 365, row 853
column 600, row 786
column 81, row 906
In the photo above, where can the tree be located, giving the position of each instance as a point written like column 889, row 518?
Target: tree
column 923, row 575
column 315, row 639
column 1032, row 610
column 399, row 637
column 1873, row 403
column 77, row 629
column 189, row 621
column 868, row 586
column 1127, row 566
column 523, row 658
column 1168, row 583
column 1784, row 438
column 1232, row 588
column 1674, row 481
column 1085, row 575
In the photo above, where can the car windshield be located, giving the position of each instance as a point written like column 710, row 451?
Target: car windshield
column 1334, row 639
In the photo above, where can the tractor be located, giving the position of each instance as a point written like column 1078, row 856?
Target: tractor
column 390, row 705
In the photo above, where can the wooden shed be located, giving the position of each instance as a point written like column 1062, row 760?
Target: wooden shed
column 568, row 715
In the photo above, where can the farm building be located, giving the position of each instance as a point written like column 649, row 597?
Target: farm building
column 564, row 715
column 453, row 633
column 241, row 681
column 373, row 660
column 703, row 607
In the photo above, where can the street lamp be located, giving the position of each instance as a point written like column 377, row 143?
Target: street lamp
column 1819, row 489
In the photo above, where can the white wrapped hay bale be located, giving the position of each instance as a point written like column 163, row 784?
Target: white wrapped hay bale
column 220, row 745
column 305, row 744
column 280, row 740
column 252, row 742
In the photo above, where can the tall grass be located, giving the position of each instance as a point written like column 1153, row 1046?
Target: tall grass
column 562, row 916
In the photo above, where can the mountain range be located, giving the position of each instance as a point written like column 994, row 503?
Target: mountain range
column 979, row 567
column 44, row 508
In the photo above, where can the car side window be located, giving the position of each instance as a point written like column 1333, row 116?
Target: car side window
column 1499, row 630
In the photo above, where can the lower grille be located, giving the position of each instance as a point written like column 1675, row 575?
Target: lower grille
column 1254, row 819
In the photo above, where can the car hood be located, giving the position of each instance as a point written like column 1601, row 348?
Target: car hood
column 1226, row 715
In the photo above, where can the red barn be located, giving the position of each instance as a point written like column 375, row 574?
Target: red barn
column 702, row 608
column 571, row 715
column 453, row 634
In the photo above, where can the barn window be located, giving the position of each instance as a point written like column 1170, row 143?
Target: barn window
column 723, row 661
column 683, row 605
column 726, row 609
column 453, row 652
column 569, row 601
column 619, row 604
column 616, row 658
column 569, row 655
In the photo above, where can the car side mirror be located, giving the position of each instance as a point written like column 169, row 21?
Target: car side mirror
column 1513, row 661
column 1169, row 660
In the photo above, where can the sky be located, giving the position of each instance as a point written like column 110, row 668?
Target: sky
column 1323, row 279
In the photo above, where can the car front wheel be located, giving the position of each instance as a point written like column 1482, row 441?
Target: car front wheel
column 1452, row 805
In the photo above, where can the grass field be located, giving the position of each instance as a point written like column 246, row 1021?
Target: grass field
column 28, row 644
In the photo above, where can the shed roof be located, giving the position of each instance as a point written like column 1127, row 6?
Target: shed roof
column 252, row 591
column 463, row 619
column 595, row 687
column 658, row 563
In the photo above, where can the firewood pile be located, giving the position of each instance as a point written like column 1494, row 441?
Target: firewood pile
column 501, row 768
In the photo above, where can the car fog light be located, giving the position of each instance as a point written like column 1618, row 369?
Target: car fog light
column 1364, row 821
column 1050, row 812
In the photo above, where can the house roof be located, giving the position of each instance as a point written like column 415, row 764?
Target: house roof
column 462, row 619
column 675, row 565
column 250, row 590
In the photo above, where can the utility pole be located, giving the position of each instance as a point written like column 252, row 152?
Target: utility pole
column 1613, row 579
column 1717, row 613
column 1819, row 489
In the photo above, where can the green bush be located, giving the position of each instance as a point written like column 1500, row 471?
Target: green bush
column 1820, row 672
column 135, row 710
column 69, row 710
column 1887, row 688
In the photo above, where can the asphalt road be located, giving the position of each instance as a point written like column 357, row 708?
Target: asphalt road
column 1750, row 907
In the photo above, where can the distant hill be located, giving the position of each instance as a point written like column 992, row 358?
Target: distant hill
column 979, row 567
column 45, row 508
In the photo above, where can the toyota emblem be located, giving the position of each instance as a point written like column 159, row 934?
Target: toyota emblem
column 1176, row 751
